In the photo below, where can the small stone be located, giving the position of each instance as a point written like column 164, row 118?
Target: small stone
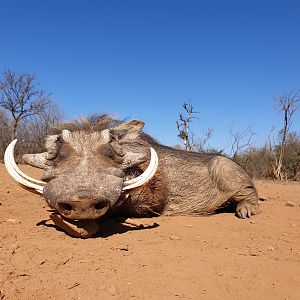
column 263, row 197
column 174, row 237
column 13, row 221
column 190, row 225
column 82, row 261
column 112, row 290
column 271, row 248
column 252, row 222
column 14, row 247
column 290, row 204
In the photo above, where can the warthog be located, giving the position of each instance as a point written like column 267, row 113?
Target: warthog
column 100, row 165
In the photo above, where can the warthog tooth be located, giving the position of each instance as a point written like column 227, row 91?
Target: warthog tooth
column 14, row 171
column 145, row 176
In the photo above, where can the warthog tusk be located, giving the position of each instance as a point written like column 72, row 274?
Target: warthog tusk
column 14, row 171
column 15, row 166
column 145, row 176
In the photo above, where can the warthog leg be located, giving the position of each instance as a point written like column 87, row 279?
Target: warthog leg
column 246, row 209
column 247, row 203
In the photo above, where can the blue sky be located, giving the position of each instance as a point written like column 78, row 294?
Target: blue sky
column 142, row 59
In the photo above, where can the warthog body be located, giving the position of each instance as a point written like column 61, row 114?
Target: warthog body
column 87, row 163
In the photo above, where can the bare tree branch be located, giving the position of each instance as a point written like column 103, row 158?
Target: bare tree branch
column 240, row 140
column 288, row 103
column 21, row 97
column 199, row 143
column 183, row 125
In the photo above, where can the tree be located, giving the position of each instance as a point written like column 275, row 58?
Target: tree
column 190, row 140
column 183, row 125
column 288, row 103
column 21, row 97
column 240, row 141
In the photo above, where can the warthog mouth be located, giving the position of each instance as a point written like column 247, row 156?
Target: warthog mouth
column 76, row 228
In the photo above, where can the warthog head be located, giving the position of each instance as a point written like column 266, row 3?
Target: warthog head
column 88, row 167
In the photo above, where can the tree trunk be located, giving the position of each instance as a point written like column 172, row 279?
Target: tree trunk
column 15, row 128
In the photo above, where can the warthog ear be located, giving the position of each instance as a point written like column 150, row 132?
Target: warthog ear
column 124, row 133
column 128, row 130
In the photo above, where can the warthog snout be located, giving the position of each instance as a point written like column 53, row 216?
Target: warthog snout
column 82, row 205
column 87, row 201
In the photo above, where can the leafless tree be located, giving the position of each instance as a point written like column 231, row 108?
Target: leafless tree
column 199, row 143
column 240, row 141
column 191, row 141
column 21, row 97
column 288, row 103
column 183, row 125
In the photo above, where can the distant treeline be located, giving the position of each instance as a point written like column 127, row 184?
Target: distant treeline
column 261, row 162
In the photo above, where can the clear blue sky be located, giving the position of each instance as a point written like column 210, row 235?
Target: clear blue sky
column 141, row 59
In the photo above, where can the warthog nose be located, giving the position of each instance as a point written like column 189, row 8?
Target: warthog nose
column 65, row 206
column 100, row 205
column 79, row 207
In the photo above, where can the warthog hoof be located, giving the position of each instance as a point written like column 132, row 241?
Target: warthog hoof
column 246, row 209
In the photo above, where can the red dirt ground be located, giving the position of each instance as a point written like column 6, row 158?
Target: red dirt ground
column 215, row 257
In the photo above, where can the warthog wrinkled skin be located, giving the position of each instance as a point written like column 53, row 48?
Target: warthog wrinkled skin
column 85, row 170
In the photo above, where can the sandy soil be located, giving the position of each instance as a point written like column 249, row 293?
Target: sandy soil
column 216, row 257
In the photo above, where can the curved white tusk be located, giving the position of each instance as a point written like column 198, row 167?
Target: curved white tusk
column 16, row 168
column 145, row 176
column 13, row 170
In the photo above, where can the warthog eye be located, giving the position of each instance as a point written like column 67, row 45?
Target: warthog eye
column 107, row 151
column 63, row 153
